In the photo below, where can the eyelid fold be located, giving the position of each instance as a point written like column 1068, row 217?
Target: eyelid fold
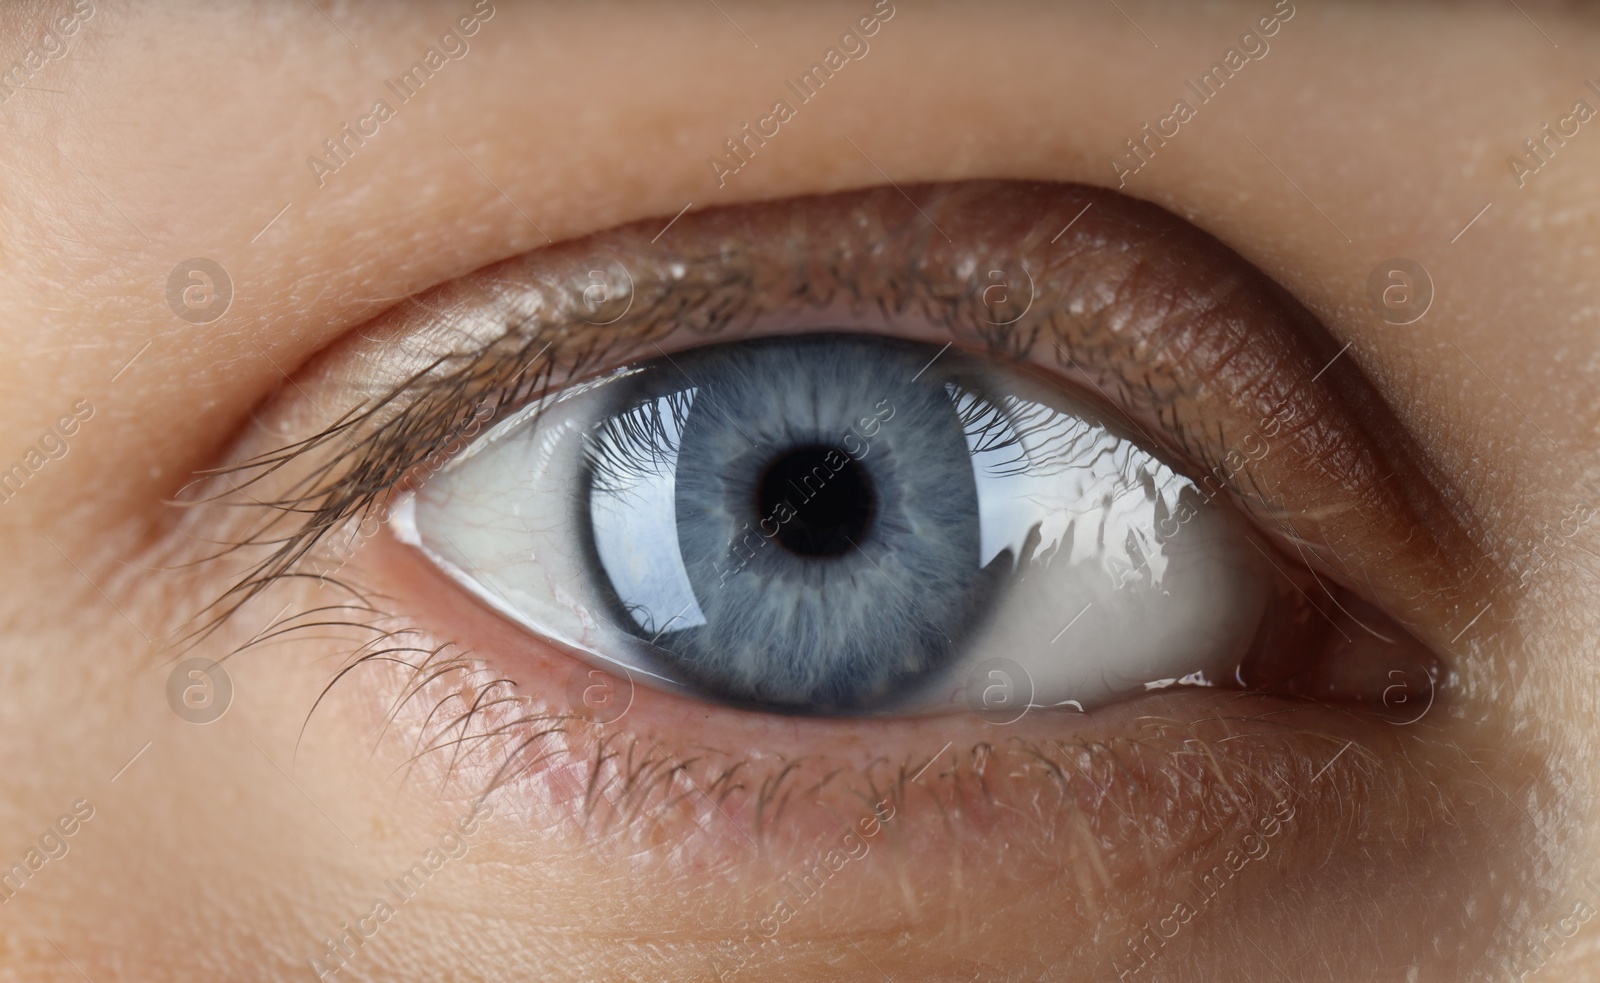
column 1206, row 357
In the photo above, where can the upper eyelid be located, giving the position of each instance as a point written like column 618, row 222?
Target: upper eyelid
column 494, row 339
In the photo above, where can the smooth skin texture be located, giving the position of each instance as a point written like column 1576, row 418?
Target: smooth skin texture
column 170, row 131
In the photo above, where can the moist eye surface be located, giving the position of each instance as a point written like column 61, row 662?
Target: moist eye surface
column 826, row 512
column 844, row 524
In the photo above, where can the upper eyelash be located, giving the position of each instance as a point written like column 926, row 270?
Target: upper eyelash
column 533, row 354
column 330, row 497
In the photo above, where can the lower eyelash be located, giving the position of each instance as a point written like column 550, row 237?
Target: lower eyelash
column 1116, row 821
column 484, row 738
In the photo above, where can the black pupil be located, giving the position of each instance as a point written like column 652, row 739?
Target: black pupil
column 831, row 508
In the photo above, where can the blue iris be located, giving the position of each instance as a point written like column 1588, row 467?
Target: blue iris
column 791, row 523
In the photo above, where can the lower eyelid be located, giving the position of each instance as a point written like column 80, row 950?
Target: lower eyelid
column 1101, row 816
column 722, row 738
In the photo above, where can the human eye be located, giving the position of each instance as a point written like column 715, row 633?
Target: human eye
column 841, row 524
column 718, row 520
column 827, row 521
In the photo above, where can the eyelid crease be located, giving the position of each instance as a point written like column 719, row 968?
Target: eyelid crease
column 1199, row 350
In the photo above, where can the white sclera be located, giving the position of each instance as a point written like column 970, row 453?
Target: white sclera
column 1133, row 580
column 498, row 520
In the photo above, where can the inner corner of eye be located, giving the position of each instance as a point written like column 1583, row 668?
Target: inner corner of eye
column 845, row 524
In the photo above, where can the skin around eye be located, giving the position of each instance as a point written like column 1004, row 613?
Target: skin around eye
column 648, row 780
column 842, row 524
column 1455, row 847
